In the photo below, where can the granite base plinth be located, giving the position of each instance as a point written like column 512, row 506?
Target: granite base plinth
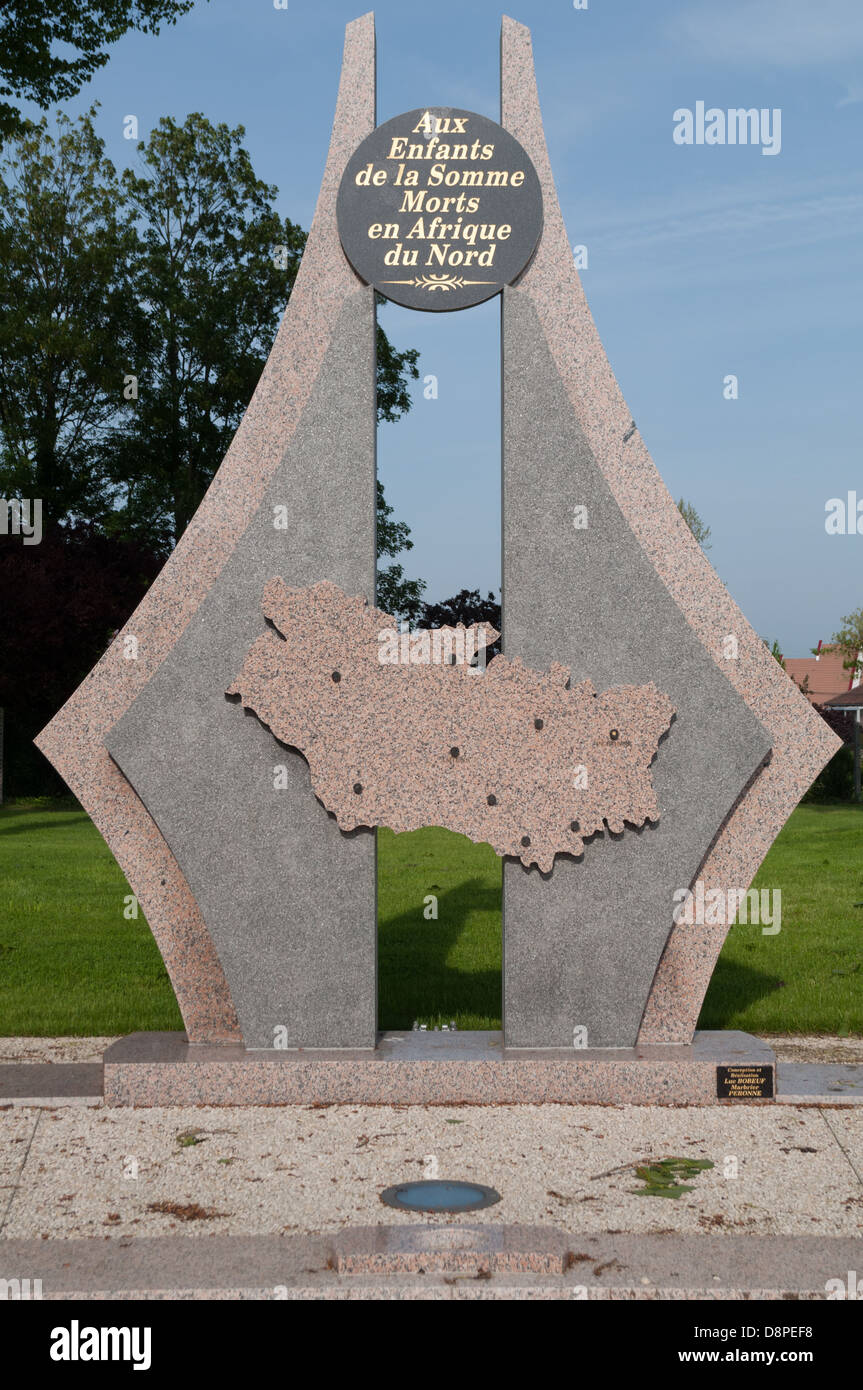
column 413, row 1068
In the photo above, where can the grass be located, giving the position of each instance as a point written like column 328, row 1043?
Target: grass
column 444, row 970
column 809, row 977
column 72, row 963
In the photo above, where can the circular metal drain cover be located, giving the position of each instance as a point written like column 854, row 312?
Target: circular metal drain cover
column 436, row 1194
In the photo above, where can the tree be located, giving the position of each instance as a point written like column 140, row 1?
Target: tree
column 48, row 51
column 135, row 319
column 68, row 317
column 849, row 639
column 775, row 651
column 217, row 265
column 68, row 596
column 394, row 370
column 465, row 607
column 395, row 594
column 175, row 276
column 695, row 524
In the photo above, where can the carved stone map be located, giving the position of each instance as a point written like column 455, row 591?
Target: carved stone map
column 407, row 733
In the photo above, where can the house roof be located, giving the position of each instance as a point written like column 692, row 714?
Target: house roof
column 827, row 674
column 849, row 699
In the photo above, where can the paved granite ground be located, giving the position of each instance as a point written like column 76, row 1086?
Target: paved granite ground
column 73, row 1172
column 165, row 1201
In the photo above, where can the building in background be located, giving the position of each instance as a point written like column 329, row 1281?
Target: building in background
column 824, row 675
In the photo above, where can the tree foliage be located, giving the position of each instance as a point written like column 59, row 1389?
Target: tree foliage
column 695, row 524
column 775, row 651
column 216, row 264
column 60, row 604
column 467, row 606
column 69, row 317
column 849, row 639
column 174, row 275
column 137, row 314
column 395, row 370
column 395, row 594
column 50, row 48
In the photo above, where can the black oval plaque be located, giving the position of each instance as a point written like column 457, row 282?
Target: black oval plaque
column 439, row 209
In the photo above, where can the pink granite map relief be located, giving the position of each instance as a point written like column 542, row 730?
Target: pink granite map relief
column 404, row 730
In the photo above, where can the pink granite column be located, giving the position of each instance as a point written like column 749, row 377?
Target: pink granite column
column 74, row 741
column 801, row 741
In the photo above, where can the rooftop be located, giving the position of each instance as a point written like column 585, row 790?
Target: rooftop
column 827, row 675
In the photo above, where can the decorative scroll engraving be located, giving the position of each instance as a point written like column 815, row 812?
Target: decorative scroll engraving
column 438, row 282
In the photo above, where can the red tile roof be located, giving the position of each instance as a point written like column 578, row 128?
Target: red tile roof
column 827, row 675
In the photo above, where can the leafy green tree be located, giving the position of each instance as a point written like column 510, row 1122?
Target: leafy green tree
column 217, row 265
column 695, row 524
column 395, row 369
column 849, row 639
column 50, row 48
column 395, row 594
column 775, row 651
column 135, row 319
column 68, row 316
column 467, row 606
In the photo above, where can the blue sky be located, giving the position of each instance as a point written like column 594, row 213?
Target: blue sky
column 703, row 260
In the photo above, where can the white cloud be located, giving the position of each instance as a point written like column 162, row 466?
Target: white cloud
column 740, row 217
column 777, row 33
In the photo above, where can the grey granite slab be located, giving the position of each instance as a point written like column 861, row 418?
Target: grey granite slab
column 829, row 1083
column 290, row 901
column 581, row 945
column 270, row 1266
column 40, row 1080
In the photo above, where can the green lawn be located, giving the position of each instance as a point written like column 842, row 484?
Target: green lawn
column 809, row 977
column 71, row 963
column 444, row 970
